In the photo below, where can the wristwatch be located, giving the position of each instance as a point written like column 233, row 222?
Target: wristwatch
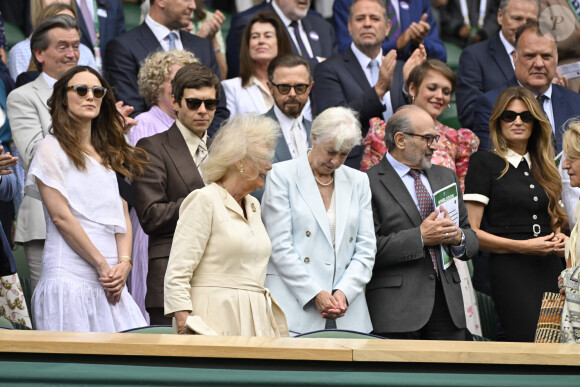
column 462, row 238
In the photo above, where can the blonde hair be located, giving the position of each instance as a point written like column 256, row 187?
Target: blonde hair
column 38, row 6
column 543, row 168
column 338, row 124
column 571, row 139
column 248, row 138
column 156, row 69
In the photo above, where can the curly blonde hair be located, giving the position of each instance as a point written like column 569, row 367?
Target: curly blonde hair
column 571, row 139
column 155, row 71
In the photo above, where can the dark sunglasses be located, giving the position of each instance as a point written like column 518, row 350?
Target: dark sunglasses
column 285, row 89
column 195, row 103
column 510, row 116
column 430, row 138
column 82, row 90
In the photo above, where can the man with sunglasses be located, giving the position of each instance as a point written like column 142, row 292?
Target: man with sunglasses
column 172, row 172
column 411, row 295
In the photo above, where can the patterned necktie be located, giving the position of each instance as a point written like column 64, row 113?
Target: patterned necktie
column 301, row 47
column 171, row 38
column 201, row 153
column 374, row 66
column 425, row 208
column 541, row 98
column 89, row 22
column 395, row 30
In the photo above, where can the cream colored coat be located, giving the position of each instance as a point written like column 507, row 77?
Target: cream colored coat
column 217, row 266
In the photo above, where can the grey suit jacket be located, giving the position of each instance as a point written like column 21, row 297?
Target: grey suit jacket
column 29, row 119
column 401, row 292
column 168, row 178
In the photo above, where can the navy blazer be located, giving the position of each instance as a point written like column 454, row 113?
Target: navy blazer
column 482, row 67
column 433, row 44
column 110, row 25
column 320, row 36
column 126, row 52
column 565, row 104
column 340, row 81
column 8, row 188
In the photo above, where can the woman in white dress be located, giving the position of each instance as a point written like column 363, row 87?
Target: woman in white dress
column 86, row 258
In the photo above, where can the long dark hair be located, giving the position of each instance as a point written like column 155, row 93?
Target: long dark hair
column 107, row 136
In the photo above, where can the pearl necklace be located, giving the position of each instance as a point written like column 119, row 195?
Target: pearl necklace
column 323, row 184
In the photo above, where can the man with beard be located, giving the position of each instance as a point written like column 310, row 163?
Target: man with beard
column 411, row 295
column 290, row 82
column 161, row 30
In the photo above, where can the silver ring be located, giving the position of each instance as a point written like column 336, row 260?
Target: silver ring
column 446, row 235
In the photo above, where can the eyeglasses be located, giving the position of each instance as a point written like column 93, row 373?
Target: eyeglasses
column 285, row 89
column 82, row 90
column 510, row 116
column 195, row 103
column 430, row 138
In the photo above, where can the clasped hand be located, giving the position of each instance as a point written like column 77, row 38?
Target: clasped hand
column 114, row 280
column 436, row 230
column 331, row 306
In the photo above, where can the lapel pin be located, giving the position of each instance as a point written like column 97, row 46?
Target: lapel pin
column 253, row 207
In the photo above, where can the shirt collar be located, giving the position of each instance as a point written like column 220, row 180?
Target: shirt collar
column 515, row 158
column 285, row 20
column 363, row 59
column 507, row 45
column 399, row 167
column 284, row 120
column 159, row 30
column 50, row 81
column 189, row 136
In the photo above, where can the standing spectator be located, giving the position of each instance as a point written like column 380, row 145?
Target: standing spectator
column 87, row 255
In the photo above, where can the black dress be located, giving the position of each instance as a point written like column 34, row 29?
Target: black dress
column 517, row 209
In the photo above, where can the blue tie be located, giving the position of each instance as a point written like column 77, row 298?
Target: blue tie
column 171, row 38
column 374, row 65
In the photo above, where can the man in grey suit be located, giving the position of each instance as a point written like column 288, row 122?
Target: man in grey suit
column 55, row 48
column 361, row 77
column 411, row 295
column 290, row 82
column 172, row 172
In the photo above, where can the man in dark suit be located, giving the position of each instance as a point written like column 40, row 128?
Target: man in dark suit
column 317, row 41
column 535, row 60
column 173, row 172
column 347, row 79
column 411, row 25
column 411, row 295
column 488, row 65
column 105, row 15
column 161, row 30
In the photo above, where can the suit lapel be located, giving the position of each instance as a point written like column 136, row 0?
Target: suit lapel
column 311, row 195
column 308, row 127
column 343, row 197
column 282, row 152
column 559, row 112
column 310, row 32
column 501, row 57
column 354, row 68
column 42, row 90
column 393, row 183
column 148, row 40
column 179, row 153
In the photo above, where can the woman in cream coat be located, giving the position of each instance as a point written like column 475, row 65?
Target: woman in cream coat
column 318, row 215
column 217, row 265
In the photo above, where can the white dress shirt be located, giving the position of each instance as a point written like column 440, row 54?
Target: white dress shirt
column 286, row 124
column 161, row 32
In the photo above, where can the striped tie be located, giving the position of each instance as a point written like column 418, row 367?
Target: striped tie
column 301, row 47
column 395, row 30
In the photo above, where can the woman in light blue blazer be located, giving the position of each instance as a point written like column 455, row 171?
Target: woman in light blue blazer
column 318, row 215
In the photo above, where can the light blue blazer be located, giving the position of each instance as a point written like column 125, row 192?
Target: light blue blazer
column 303, row 260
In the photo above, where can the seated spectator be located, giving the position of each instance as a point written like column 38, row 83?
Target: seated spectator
column 172, row 172
column 517, row 188
column 20, row 56
column 263, row 40
column 154, row 79
column 411, row 26
column 220, row 251
column 466, row 22
column 87, row 255
column 318, row 215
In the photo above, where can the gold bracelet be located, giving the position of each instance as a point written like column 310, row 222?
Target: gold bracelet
column 126, row 258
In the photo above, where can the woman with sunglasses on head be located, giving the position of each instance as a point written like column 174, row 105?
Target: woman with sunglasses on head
column 87, row 254
column 517, row 188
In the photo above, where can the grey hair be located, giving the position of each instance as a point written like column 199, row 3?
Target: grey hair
column 504, row 3
column 571, row 138
column 399, row 122
column 247, row 137
column 338, row 124
column 40, row 40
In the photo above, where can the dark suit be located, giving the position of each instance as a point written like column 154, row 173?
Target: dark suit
column 320, row 36
column 401, row 292
column 482, row 67
column 109, row 26
column 126, row 52
column 341, row 81
column 169, row 177
column 433, row 44
column 565, row 104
